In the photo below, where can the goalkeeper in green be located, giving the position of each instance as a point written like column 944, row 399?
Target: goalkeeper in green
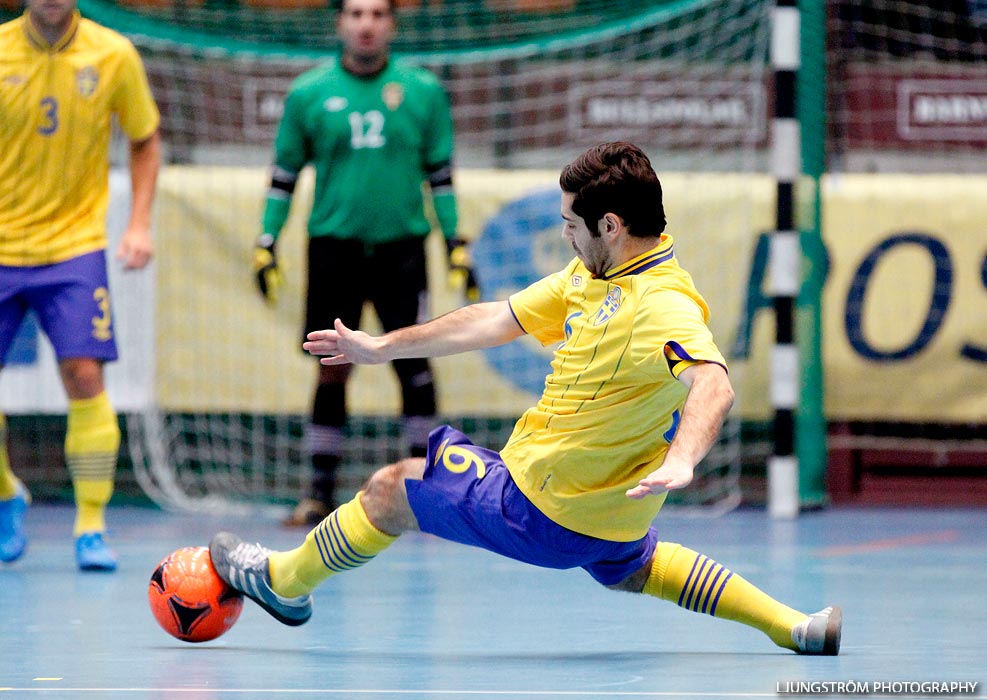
column 374, row 129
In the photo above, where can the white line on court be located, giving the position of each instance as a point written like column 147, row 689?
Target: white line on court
column 277, row 692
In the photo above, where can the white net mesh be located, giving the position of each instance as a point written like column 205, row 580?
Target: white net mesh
column 688, row 81
column 907, row 86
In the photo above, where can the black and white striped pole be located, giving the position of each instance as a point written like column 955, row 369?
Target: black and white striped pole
column 785, row 261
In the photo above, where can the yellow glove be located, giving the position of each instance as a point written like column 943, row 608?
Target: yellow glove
column 461, row 275
column 266, row 270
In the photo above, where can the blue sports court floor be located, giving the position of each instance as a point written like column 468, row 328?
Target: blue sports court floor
column 430, row 619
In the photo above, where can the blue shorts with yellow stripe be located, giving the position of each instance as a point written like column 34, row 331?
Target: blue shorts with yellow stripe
column 467, row 495
column 71, row 301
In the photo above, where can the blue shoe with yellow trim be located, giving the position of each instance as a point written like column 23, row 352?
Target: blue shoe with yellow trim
column 12, row 539
column 92, row 553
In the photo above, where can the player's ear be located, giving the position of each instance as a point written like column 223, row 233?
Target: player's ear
column 610, row 224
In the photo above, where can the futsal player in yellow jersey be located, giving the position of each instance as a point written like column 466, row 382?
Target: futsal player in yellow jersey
column 62, row 78
column 636, row 398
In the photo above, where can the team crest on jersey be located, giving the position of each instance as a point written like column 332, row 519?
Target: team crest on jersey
column 393, row 95
column 86, row 80
column 335, row 104
column 576, row 280
column 608, row 308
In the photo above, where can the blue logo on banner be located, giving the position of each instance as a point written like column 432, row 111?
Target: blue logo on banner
column 505, row 257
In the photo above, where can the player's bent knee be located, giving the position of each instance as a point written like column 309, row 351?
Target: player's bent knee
column 385, row 499
column 388, row 481
column 410, row 468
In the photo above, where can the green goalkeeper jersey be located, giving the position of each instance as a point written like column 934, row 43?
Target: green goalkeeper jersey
column 373, row 141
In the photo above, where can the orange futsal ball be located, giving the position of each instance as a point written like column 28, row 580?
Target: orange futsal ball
column 189, row 599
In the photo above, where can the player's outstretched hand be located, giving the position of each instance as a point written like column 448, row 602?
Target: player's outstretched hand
column 673, row 474
column 342, row 345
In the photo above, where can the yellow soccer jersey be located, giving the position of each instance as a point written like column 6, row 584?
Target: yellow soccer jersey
column 612, row 401
column 55, row 108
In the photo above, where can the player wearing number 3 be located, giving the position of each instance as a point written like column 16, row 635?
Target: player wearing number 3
column 635, row 399
column 375, row 129
column 62, row 77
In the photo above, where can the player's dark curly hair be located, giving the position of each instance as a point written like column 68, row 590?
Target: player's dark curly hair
column 616, row 177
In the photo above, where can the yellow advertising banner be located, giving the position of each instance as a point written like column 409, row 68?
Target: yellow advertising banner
column 905, row 307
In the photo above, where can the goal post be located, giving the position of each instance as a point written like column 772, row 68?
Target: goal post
column 811, row 427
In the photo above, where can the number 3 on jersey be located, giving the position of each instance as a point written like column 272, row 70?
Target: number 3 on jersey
column 367, row 130
column 49, row 106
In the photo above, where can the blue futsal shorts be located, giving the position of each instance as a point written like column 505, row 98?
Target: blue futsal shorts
column 71, row 300
column 467, row 495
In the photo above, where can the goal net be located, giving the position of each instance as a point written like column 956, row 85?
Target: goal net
column 906, row 86
column 532, row 84
column 908, row 108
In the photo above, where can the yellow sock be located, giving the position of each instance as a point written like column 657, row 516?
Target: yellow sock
column 696, row 582
column 92, row 442
column 345, row 540
column 8, row 482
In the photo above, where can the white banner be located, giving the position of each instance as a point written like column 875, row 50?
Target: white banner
column 36, row 387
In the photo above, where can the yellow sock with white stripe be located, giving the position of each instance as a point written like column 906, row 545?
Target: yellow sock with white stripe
column 8, row 482
column 92, row 443
column 696, row 582
column 345, row 540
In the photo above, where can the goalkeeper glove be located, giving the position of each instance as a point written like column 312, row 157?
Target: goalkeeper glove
column 268, row 274
column 461, row 275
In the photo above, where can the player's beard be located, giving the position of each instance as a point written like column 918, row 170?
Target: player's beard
column 52, row 17
column 595, row 258
column 366, row 59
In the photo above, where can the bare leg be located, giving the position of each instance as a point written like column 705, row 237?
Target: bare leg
column 385, row 498
column 351, row 535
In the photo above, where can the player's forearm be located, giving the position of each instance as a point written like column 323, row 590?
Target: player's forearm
column 275, row 214
column 278, row 202
column 709, row 400
column 444, row 199
column 468, row 328
column 145, row 161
